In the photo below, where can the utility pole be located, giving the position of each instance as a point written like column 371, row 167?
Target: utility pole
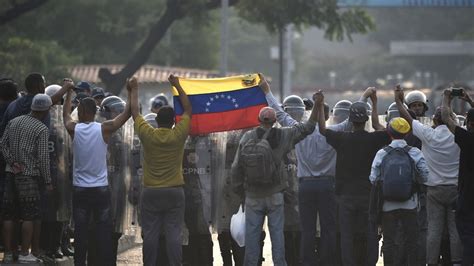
column 285, row 60
column 224, row 37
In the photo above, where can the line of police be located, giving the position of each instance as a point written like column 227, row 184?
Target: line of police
column 207, row 172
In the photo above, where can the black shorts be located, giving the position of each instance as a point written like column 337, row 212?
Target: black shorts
column 21, row 199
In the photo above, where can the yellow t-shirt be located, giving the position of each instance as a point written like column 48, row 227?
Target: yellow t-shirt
column 163, row 150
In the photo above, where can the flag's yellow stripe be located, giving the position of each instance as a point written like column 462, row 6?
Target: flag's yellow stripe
column 215, row 85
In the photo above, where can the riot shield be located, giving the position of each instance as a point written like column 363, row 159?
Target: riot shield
column 226, row 201
column 197, row 179
column 119, row 177
column 291, row 193
column 425, row 120
column 59, row 201
column 150, row 118
column 197, row 191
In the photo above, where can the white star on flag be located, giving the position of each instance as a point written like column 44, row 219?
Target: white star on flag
column 208, row 103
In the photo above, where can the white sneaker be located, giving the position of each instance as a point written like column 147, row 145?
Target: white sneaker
column 8, row 258
column 30, row 258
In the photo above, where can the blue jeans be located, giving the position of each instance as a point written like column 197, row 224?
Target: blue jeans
column 316, row 195
column 162, row 210
column 255, row 211
column 93, row 201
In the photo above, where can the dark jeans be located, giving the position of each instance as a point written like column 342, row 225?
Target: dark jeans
column 315, row 196
column 230, row 249
column 96, row 202
column 162, row 208
column 403, row 225
column 465, row 227
column 354, row 227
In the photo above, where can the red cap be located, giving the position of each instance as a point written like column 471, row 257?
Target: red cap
column 267, row 114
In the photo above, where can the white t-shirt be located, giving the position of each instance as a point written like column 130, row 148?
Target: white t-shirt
column 441, row 153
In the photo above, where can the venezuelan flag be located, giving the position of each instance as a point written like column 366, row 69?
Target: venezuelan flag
column 221, row 104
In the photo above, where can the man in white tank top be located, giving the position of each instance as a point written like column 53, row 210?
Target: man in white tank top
column 91, row 194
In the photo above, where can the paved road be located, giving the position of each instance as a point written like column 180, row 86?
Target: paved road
column 134, row 256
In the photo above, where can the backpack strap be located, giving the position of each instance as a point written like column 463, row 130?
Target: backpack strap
column 407, row 148
column 388, row 148
column 265, row 136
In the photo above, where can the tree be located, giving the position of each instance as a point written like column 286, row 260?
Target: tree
column 274, row 14
column 34, row 57
column 15, row 9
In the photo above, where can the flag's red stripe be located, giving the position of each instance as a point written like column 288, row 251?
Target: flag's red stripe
column 224, row 121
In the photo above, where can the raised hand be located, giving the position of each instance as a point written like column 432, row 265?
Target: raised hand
column 263, row 84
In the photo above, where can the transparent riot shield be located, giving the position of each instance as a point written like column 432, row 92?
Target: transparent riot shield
column 226, row 202
column 291, row 193
column 59, row 201
column 119, row 178
column 425, row 120
column 197, row 191
column 383, row 120
column 197, row 179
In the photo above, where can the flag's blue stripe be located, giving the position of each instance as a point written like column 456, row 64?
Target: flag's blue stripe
column 222, row 101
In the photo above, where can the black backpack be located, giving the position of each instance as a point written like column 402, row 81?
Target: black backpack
column 397, row 174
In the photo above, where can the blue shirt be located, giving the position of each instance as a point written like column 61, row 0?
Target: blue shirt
column 314, row 155
column 20, row 106
column 420, row 167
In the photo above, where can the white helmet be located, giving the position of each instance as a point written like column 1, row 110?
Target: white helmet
column 52, row 89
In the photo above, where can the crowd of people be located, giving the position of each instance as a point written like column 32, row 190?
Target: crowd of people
column 330, row 186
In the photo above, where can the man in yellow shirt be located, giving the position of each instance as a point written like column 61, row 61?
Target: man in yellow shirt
column 162, row 199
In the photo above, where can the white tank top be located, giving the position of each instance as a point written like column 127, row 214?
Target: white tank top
column 90, row 156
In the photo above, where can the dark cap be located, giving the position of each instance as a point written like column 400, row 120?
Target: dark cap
column 83, row 86
column 97, row 92
column 358, row 112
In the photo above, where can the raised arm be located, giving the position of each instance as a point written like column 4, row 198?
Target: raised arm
column 375, row 115
column 446, row 110
column 56, row 98
column 319, row 115
column 399, row 98
column 183, row 97
column 132, row 87
column 467, row 98
column 67, row 119
column 110, row 126
column 282, row 117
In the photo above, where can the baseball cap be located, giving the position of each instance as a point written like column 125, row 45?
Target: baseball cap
column 83, row 86
column 41, row 102
column 358, row 112
column 97, row 92
column 399, row 125
column 267, row 114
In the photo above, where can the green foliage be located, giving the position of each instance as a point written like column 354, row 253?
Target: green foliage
column 20, row 56
column 324, row 14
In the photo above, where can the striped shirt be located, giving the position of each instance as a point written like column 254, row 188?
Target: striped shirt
column 25, row 141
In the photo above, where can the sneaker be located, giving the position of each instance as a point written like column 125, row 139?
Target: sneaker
column 30, row 258
column 8, row 258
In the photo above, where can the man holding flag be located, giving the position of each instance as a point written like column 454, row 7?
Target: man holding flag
column 162, row 199
column 258, row 174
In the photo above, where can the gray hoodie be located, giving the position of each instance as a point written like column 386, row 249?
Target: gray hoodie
column 286, row 138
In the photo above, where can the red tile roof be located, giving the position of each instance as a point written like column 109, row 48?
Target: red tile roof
column 147, row 73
